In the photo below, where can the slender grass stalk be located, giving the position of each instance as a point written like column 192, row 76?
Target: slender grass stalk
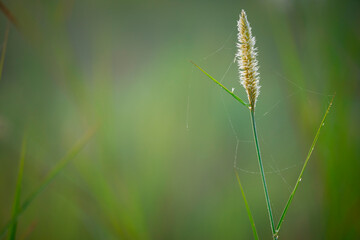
column 52, row 174
column 303, row 169
column 16, row 203
column 251, row 219
column 267, row 198
column 249, row 76
column 3, row 49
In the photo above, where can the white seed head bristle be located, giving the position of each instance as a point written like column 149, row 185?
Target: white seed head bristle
column 246, row 58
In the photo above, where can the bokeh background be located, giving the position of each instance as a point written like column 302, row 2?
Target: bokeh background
column 161, row 164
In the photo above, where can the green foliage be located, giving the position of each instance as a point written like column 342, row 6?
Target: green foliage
column 18, row 210
column 160, row 165
column 251, row 219
column 16, row 203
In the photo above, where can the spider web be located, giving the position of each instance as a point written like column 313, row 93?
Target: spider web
column 270, row 166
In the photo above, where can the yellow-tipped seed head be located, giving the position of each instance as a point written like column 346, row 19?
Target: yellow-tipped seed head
column 246, row 58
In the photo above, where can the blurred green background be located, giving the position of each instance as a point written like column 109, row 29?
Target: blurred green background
column 160, row 165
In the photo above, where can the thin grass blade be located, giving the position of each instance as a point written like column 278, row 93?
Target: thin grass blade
column 8, row 14
column 16, row 203
column 251, row 219
column 3, row 49
column 303, row 168
column 30, row 229
column 222, row 86
column 52, row 174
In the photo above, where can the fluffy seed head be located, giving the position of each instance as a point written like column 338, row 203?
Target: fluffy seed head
column 246, row 58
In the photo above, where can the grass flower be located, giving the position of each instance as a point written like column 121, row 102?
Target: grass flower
column 246, row 59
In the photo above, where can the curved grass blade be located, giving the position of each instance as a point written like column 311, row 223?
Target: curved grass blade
column 251, row 219
column 52, row 174
column 3, row 49
column 302, row 170
column 16, row 204
column 222, row 86
column 8, row 14
column 30, row 229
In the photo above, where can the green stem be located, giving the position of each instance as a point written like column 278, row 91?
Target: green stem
column 252, row 113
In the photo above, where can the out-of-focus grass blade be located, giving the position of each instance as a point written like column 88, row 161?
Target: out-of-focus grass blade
column 16, row 204
column 52, row 174
column 8, row 14
column 251, row 219
column 222, row 86
column 303, row 168
column 28, row 231
column 3, row 49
